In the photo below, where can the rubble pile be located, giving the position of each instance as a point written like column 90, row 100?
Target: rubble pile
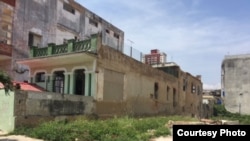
column 202, row 122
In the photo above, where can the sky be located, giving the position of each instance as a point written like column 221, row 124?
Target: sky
column 195, row 34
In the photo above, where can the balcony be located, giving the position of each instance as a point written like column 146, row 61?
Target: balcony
column 89, row 45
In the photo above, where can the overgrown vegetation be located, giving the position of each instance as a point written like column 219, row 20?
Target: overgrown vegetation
column 6, row 81
column 115, row 129
column 220, row 112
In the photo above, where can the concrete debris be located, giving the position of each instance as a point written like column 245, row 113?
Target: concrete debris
column 202, row 122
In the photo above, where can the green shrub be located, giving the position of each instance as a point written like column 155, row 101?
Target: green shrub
column 5, row 79
column 220, row 112
column 115, row 129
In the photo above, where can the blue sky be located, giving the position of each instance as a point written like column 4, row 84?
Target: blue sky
column 196, row 34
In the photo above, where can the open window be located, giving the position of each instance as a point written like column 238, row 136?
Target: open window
column 156, row 89
column 34, row 39
column 168, row 92
column 93, row 22
column 69, row 8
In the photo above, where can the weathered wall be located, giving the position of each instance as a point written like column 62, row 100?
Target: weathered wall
column 236, row 83
column 7, row 119
column 5, row 65
column 38, row 17
column 139, row 87
column 34, row 107
column 193, row 97
column 48, row 19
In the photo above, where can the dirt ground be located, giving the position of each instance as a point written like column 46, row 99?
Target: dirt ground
column 17, row 138
column 4, row 137
column 24, row 138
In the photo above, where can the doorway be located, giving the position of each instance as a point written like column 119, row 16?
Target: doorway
column 80, row 82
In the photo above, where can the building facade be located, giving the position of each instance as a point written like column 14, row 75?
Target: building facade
column 119, row 84
column 6, row 27
column 155, row 57
column 38, row 23
column 235, row 83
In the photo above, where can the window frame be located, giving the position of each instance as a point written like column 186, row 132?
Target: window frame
column 67, row 7
column 40, row 77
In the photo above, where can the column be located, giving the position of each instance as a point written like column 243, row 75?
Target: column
column 66, row 83
column 71, row 83
column 32, row 79
column 93, row 84
column 49, row 82
column 89, row 83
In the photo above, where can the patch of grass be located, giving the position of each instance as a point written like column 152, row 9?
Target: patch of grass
column 220, row 112
column 115, row 129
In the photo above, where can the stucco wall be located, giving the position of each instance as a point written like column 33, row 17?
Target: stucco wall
column 236, row 83
column 139, row 87
column 34, row 107
column 37, row 17
column 48, row 19
column 7, row 119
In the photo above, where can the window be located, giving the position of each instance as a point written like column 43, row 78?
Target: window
column 168, row 90
column 184, row 85
column 198, row 90
column 40, row 77
column 107, row 31
column 65, row 41
column 193, row 88
column 93, row 22
column 116, row 35
column 34, row 39
column 68, row 8
column 156, row 87
column 174, row 98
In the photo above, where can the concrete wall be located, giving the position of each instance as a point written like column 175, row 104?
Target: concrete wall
column 236, row 83
column 139, row 87
column 7, row 118
column 32, row 108
column 38, row 17
column 48, row 19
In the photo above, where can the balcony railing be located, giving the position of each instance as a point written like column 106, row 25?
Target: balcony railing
column 59, row 49
column 89, row 45
column 82, row 45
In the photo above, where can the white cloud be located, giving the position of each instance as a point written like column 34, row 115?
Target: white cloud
column 187, row 33
column 211, row 86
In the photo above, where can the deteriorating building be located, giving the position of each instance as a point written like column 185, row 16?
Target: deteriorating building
column 6, row 26
column 77, row 59
column 40, row 22
column 235, row 83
